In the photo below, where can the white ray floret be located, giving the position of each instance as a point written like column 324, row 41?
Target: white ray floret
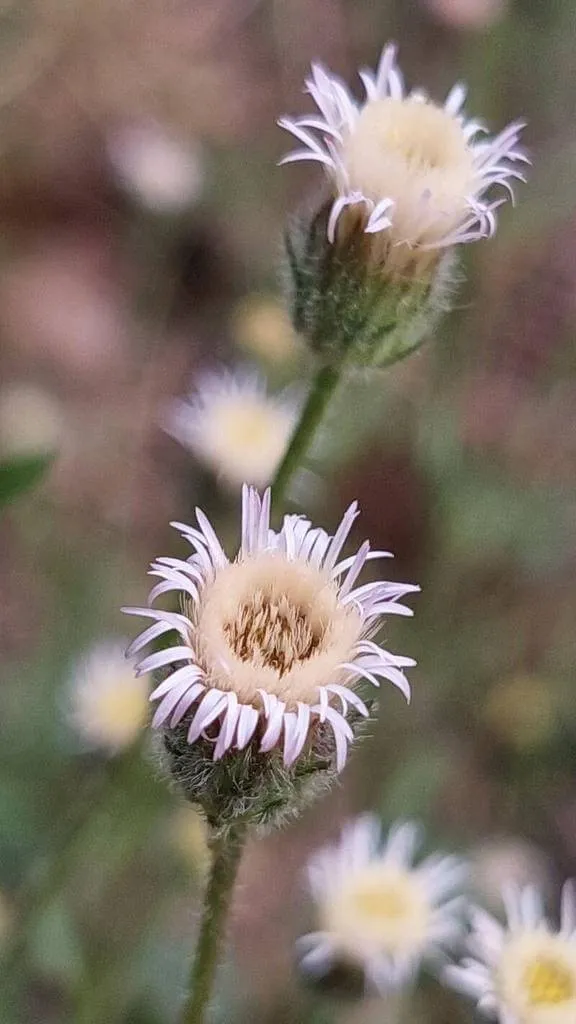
column 108, row 704
column 234, row 426
column 524, row 972
column 420, row 174
column 379, row 911
column 271, row 644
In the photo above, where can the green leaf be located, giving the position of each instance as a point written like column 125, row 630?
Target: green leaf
column 18, row 475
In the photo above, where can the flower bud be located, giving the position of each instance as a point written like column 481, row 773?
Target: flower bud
column 349, row 306
column 256, row 788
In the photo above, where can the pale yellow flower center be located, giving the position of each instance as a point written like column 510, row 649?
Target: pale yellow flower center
column 244, row 436
column 548, row 982
column 270, row 624
column 424, row 135
column 270, row 630
column 384, row 909
column 536, row 977
column 119, row 713
column 414, row 153
column 244, row 424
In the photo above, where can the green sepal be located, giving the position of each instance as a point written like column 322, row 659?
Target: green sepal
column 349, row 310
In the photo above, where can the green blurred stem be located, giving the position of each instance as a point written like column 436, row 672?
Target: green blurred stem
column 323, row 388
column 227, row 852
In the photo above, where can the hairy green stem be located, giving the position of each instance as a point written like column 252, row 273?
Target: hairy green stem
column 323, row 388
column 226, row 858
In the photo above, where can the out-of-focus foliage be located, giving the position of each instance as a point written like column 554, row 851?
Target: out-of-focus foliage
column 463, row 460
column 17, row 475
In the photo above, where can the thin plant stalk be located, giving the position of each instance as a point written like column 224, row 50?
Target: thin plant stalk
column 227, row 851
column 323, row 388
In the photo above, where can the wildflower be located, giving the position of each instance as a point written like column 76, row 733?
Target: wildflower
column 272, row 644
column 108, row 704
column 524, row 973
column 414, row 174
column 377, row 911
column 234, row 426
column 409, row 179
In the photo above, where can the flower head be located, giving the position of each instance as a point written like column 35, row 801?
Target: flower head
column 108, row 703
column 524, row 973
column 377, row 910
column 415, row 175
column 271, row 644
column 234, row 426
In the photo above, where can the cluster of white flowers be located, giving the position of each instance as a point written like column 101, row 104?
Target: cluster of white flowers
column 265, row 659
column 381, row 912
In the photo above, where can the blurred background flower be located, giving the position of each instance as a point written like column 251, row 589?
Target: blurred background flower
column 108, row 703
column 234, row 426
column 378, row 910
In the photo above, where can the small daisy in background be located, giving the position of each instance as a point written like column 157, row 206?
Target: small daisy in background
column 108, row 704
column 413, row 175
column 523, row 972
column 376, row 909
column 234, row 426
column 271, row 644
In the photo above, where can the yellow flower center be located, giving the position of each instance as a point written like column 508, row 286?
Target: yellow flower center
column 245, row 424
column 267, row 623
column 120, row 713
column 423, row 135
column 379, row 902
column 414, row 153
column 384, row 909
column 244, row 436
column 548, row 982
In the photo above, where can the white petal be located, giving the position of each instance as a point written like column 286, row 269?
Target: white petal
column 227, row 727
column 274, row 728
column 160, row 658
column 247, row 722
column 209, row 708
column 190, row 672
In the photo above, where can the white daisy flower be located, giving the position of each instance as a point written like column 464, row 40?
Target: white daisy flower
column 413, row 174
column 524, row 973
column 234, row 426
column 376, row 909
column 108, row 704
column 274, row 641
